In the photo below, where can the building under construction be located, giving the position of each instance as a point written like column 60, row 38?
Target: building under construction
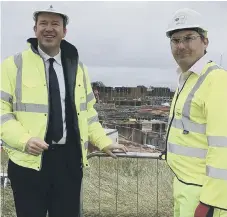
column 132, row 96
column 139, row 114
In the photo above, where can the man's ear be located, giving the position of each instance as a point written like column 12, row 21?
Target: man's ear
column 64, row 32
column 206, row 42
column 35, row 28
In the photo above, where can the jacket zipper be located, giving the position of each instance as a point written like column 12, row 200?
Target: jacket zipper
column 165, row 151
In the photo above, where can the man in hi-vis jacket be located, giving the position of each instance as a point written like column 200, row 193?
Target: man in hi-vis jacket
column 47, row 119
column 197, row 132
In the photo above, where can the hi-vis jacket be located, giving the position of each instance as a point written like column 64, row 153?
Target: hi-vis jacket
column 197, row 134
column 24, row 103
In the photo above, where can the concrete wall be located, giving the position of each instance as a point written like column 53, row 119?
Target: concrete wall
column 139, row 136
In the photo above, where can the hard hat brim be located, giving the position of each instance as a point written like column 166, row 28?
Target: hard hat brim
column 169, row 31
column 36, row 13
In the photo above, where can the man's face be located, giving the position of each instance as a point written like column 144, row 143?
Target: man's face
column 187, row 47
column 49, row 30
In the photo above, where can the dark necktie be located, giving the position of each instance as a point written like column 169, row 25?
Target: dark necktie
column 56, row 123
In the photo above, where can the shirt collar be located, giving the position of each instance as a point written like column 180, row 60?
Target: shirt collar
column 46, row 57
column 197, row 67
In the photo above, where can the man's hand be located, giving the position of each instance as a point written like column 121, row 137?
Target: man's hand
column 36, row 146
column 111, row 147
column 202, row 210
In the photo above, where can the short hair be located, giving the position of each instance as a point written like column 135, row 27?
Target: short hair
column 62, row 16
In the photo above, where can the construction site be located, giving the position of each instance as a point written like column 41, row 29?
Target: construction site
column 139, row 114
column 138, row 183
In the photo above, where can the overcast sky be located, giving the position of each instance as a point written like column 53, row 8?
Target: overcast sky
column 122, row 43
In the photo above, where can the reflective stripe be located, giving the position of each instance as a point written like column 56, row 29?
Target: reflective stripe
column 29, row 107
column 18, row 89
column 93, row 120
column 36, row 107
column 7, row 117
column 19, row 106
column 187, row 151
column 9, row 147
column 83, row 106
column 84, row 77
column 185, row 123
column 217, row 141
column 189, row 125
column 216, row 173
column 90, row 97
column 86, row 145
column 187, row 105
column 6, row 97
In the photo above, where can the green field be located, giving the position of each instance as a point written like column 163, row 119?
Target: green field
column 121, row 188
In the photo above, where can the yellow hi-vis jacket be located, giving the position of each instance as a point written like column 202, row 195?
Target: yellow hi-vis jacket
column 197, row 134
column 24, row 105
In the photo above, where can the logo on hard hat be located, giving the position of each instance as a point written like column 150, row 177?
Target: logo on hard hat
column 180, row 20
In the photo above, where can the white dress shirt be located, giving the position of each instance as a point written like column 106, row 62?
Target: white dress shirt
column 196, row 68
column 59, row 71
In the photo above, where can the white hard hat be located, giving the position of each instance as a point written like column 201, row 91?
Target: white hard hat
column 51, row 10
column 186, row 19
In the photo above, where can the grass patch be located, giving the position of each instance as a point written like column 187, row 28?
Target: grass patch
column 118, row 188
column 128, row 188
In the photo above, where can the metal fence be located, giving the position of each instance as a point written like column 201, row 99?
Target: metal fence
column 135, row 184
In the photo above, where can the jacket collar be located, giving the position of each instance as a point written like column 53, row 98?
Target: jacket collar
column 197, row 67
column 67, row 49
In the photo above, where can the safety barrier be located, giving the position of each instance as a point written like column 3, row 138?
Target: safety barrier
column 133, row 185
column 136, row 184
